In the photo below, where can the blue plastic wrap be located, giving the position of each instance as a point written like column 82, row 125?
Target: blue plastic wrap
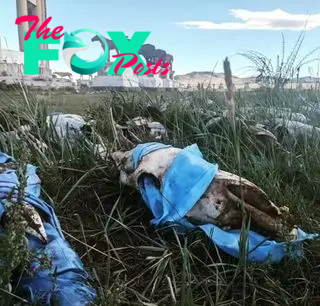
column 185, row 182
column 65, row 280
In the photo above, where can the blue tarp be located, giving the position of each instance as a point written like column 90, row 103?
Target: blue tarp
column 66, row 274
column 185, row 182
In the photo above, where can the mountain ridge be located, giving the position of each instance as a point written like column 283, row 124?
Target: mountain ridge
column 217, row 79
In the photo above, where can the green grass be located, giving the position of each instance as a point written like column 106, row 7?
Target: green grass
column 108, row 224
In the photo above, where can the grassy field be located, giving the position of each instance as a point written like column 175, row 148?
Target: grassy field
column 108, row 224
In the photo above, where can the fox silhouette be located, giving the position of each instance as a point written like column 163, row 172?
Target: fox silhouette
column 72, row 45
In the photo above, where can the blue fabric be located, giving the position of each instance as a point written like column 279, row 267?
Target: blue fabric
column 185, row 182
column 66, row 273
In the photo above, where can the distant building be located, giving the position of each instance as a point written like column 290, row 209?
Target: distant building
column 12, row 61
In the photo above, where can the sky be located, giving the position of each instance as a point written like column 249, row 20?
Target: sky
column 199, row 34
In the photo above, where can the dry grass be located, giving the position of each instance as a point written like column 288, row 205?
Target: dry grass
column 108, row 224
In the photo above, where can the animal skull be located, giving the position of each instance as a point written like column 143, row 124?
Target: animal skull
column 224, row 201
column 137, row 127
column 32, row 220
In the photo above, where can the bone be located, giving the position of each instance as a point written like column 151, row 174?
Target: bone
column 221, row 202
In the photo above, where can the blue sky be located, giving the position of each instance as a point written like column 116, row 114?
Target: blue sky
column 226, row 27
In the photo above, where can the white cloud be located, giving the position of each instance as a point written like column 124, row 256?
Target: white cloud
column 259, row 20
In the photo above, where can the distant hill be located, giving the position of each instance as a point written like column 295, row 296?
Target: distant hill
column 207, row 77
column 308, row 79
column 216, row 80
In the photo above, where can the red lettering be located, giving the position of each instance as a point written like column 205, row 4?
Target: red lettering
column 127, row 65
column 140, row 66
column 56, row 31
column 118, row 65
column 167, row 69
column 136, row 70
column 41, row 31
column 28, row 18
column 149, row 69
column 154, row 70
